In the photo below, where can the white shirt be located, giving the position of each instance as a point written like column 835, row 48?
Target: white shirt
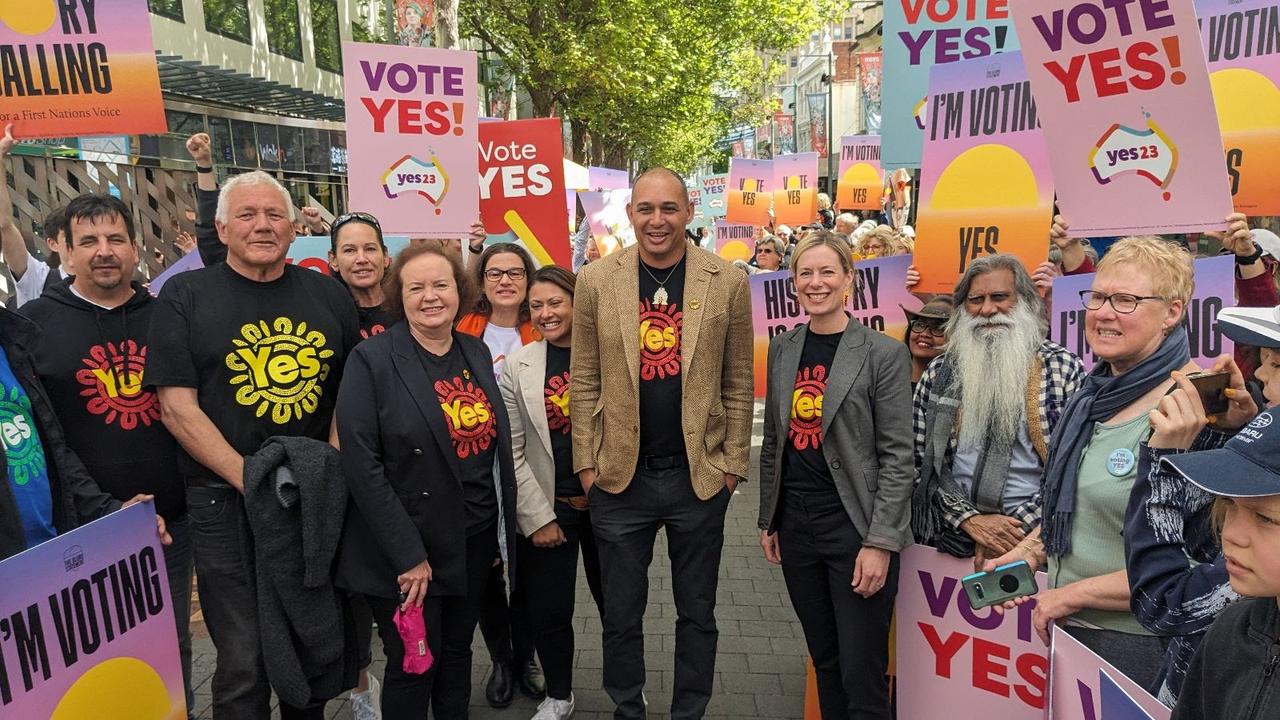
column 502, row 342
column 31, row 285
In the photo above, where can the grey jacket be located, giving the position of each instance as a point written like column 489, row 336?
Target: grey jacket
column 866, row 429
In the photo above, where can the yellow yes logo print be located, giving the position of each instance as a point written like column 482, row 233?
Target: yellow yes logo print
column 280, row 368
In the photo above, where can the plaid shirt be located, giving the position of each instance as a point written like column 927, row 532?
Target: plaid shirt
column 1062, row 375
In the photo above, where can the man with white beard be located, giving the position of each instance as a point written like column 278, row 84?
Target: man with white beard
column 979, row 461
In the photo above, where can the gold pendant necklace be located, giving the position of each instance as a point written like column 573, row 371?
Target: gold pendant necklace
column 660, row 295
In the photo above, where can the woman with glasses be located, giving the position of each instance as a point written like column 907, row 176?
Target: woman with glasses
column 836, row 472
column 926, row 334
column 769, row 251
column 426, row 452
column 1133, row 324
column 501, row 318
column 552, row 508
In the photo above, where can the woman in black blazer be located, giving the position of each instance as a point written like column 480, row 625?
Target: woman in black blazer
column 426, row 451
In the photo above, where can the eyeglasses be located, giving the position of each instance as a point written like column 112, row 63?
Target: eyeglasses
column 357, row 217
column 495, row 274
column 766, row 249
column 928, row 328
column 1123, row 303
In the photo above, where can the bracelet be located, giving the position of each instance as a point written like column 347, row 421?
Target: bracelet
column 1251, row 259
column 204, row 169
column 474, row 249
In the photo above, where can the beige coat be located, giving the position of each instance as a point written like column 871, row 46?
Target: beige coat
column 715, row 368
column 521, row 385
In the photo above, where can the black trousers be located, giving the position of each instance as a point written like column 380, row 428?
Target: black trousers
column 625, row 526
column 451, row 623
column 550, row 580
column 505, row 624
column 847, row 634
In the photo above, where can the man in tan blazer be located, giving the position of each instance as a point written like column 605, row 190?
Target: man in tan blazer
column 662, row 401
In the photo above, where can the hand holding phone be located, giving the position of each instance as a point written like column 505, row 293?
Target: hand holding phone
column 1005, row 583
column 1210, row 386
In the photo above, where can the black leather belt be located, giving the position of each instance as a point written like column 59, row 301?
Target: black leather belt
column 664, row 462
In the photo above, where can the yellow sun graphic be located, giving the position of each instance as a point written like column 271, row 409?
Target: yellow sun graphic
column 279, row 368
column 31, row 17
column 122, row 688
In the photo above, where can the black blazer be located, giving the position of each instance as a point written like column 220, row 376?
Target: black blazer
column 406, row 496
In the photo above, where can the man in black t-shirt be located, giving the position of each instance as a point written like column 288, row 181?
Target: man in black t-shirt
column 242, row 351
column 661, row 408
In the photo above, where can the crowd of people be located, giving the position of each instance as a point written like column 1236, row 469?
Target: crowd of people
column 465, row 431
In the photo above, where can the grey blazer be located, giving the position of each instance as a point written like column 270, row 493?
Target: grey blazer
column 866, row 431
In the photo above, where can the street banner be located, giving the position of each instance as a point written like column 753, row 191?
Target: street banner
column 715, row 196
column 1083, row 686
column 411, row 137
column 1214, row 290
column 415, row 22
column 871, row 82
column 861, row 184
column 606, row 212
column 986, row 186
column 1239, row 38
column 795, row 189
column 312, row 251
column 764, row 142
column 734, row 241
column 784, row 133
column 522, row 188
column 78, row 68
column 877, row 300
column 965, row 664
column 749, row 146
column 87, row 628
column 919, row 34
column 602, row 178
column 738, row 149
column 697, row 205
column 1123, row 96
column 818, row 123
column 749, row 191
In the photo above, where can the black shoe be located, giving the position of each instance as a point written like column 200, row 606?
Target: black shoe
column 498, row 688
column 531, row 682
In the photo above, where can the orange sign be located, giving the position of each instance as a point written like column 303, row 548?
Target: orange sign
column 749, row 196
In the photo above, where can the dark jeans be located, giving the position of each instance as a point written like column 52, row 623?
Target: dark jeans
column 177, row 565
column 550, row 579
column 847, row 634
column 625, row 526
column 451, row 623
column 228, row 600
column 505, row 625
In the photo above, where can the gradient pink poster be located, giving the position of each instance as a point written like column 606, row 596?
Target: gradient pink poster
column 1124, row 98
column 78, row 68
column 412, row 138
column 985, row 186
column 1083, row 686
column 86, row 625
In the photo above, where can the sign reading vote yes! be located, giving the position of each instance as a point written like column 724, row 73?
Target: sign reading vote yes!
column 411, row 134
column 522, row 187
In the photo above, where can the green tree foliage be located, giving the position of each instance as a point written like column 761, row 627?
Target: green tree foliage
column 656, row 81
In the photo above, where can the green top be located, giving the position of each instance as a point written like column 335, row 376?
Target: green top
column 1108, row 468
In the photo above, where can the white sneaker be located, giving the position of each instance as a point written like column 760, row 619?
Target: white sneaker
column 551, row 709
column 368, row 704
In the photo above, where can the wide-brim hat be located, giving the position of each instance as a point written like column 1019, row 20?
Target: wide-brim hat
column 939, row 308
column 1247, row 466
column 1259, row 327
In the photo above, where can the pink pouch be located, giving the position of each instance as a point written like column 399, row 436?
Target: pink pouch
column 413, row 632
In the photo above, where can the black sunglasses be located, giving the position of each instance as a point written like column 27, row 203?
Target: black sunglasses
column 362, row 217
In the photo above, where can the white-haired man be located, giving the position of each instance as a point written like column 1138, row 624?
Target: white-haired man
column 984, row 411
column 241, row 351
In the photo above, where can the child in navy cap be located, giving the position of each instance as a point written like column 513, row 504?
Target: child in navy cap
column 1234, row 674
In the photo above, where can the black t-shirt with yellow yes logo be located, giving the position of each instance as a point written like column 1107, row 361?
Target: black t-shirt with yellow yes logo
column 661, row 324
column 804, row 466
column 265, row 358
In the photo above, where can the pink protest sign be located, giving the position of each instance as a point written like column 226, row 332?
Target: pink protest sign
column 411, row 136
column 795, row 189
column 607, row 216
column 1215, row 290
column 734, row 241
column 750, row 182
column 861, row 184
column 601, row 178
column 1124, row 99
column 957, row 663
column 1083, row 686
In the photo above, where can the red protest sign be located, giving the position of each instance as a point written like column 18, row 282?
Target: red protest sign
column 522, row 186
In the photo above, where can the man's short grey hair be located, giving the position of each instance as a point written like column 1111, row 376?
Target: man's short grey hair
column 847, row 218
column 249, row 179
column 774, row 240
column 1023, row 285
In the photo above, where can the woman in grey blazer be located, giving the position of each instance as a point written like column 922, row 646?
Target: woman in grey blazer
column 551, row 508
column 835, row 480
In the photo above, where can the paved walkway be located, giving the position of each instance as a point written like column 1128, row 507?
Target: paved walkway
column 759, row 670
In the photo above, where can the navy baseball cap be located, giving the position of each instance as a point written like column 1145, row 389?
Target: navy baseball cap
column 1259, row 327
column 1247, row 466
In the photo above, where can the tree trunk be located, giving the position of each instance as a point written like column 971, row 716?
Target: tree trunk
column 579, row 149
column 447, row 24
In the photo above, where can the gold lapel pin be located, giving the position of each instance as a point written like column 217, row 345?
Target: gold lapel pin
column 466, row 373
column 694, row 304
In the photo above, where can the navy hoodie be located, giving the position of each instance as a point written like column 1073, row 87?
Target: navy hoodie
column 92, row 361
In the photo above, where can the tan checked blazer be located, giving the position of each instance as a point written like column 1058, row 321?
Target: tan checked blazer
column 715, row 369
